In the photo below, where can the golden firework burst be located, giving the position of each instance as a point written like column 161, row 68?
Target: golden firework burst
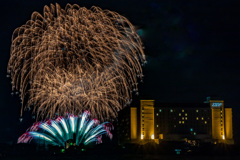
column 75, row 59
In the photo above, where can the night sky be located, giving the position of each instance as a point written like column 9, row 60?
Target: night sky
column 192, row 49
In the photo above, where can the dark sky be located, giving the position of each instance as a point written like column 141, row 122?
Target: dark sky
column 192, row 49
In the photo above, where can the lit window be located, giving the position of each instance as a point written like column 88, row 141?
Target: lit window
column 157, row 114
column 182, row 118
column 179, row 114
column 185, row 118
column 205, row 122
column 160, row 110
column 141, row 136
column 185, row 114
column 197, row 110
column 171, row 110
column 157, row 125
column 196, row 118
column 202, row 118
column 180, row 122
column 183, row 110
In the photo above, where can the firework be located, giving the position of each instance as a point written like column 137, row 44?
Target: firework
column 73, row 59
column 79, row 130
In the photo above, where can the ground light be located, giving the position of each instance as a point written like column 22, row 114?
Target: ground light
column 152, row 136
column 178, row 151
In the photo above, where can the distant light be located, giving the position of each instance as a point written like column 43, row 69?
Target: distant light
column 82, row 149
column 152, row 136
column 223, row 137
column 194, row 133
column 191, row 129
column 62, row 150
column 160, row 110
column 171, row 110
column 178, row 151
column 140, row 32
column 141, row 136
column 71, row 144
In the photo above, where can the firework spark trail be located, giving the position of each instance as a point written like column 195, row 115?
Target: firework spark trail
column 73, row 59
column 60, row 130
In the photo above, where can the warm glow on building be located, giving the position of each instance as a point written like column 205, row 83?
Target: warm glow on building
column 209, row 122
column 133, row 123
column 228, row 123
column 147, row 119
column 221, row 121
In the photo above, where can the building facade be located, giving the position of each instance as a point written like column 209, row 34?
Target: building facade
column 207, row 122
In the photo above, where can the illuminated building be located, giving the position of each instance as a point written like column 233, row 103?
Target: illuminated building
column 127, row 125
column 221, row 122
column 205, row 122
column 147, row 119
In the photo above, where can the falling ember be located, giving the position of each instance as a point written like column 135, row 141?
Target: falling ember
column 76, row 59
